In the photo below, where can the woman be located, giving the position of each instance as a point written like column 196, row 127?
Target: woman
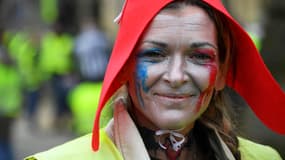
column 175, row 58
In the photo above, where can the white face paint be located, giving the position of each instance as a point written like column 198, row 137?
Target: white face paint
column 176, row 69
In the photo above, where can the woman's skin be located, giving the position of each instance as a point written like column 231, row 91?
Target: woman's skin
column 177, row 70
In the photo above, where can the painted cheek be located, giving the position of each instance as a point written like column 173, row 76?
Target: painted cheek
column 207, row 92
column 141, row 78
column 213, row 73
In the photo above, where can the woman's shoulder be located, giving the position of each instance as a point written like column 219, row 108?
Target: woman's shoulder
column 254, row 151
column 80, row 148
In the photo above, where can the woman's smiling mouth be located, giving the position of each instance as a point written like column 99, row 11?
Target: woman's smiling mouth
column 173, row 97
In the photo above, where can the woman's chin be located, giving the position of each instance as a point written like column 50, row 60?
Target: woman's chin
column 174, row 119
column 173, row 124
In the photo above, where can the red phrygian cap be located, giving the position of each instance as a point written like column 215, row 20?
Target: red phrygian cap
column 251, row 79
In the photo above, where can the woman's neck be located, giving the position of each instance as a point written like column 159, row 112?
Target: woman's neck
column 161, row 147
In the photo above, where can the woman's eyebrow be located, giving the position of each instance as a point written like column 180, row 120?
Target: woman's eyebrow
column 156, row 43
column 202, row 44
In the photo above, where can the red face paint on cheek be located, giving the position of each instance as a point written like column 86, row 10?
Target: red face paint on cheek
column 205, row 95
column 213, row 74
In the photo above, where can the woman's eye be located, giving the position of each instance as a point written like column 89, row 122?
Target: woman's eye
column 151, row 55
column 203, row 56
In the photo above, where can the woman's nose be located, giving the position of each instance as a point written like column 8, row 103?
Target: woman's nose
column 175, row 74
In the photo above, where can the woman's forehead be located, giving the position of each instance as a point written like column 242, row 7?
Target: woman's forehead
column 189, row 24
column 190, row 15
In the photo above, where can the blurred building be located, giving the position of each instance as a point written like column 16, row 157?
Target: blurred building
column 104, row 11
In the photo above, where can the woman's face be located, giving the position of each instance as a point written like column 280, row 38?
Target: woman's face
column 177, row 69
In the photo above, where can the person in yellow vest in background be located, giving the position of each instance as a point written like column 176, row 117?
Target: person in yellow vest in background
column 57, row 65
column 55, row 57
column 91, row 57
column 24, row 51
column 83, row 99
column 10, row 100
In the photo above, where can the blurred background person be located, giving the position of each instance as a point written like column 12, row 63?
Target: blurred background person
column 92, row 51
column 10, row 100
column 57, row 65
column 23, row 48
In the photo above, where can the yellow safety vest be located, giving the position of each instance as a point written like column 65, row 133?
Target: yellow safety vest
column 55, row 55
column 10, row 91
column 83, row 100
column 80, row 149
column 24, row 53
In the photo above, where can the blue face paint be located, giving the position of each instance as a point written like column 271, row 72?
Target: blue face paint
column 142, row 75
column 140, row 81
column 145, row 58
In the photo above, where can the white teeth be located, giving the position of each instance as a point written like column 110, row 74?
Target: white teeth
column 174, row 96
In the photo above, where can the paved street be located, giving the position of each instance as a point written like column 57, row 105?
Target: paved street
column 28, row 139
column 27, row 142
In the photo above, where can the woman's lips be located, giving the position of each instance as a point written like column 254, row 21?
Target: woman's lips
column 173, row 97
